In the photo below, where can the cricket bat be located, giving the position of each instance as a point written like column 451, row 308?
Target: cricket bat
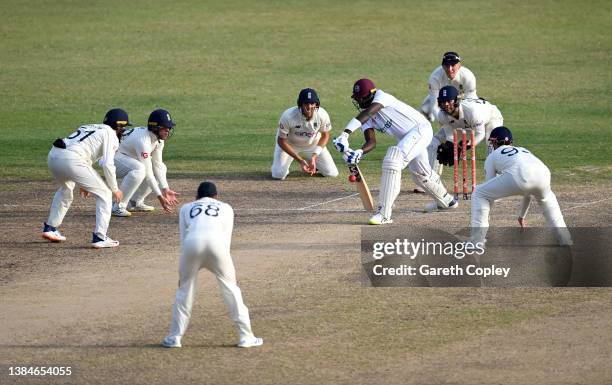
column 364, row 192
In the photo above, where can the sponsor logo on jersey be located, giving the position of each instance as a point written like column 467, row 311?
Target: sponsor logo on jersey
column 145, row 155
column 304, row 133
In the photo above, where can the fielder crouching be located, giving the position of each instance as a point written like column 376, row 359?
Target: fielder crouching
column 70, row 161
column 206, row 227
column 304, row 130
column 509, row 171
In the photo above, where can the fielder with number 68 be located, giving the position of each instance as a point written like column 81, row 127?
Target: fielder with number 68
column 206, row 227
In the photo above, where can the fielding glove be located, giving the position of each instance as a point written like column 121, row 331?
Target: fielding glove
column 446, row 153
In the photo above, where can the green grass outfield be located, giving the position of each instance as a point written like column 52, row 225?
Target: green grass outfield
column 226, row 70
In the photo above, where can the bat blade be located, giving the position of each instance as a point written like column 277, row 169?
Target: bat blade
column 362, row 186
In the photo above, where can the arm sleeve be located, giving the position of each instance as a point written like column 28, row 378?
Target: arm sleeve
column 490, row 168
column 434, row 89
column 283, row 127
column 107, row 162
column 230, row 225
column 144, row 155
column 325, row 120
column 183, row 223
column 159, row 167
column 470, row 85
column 479, row 131
column 525, row 205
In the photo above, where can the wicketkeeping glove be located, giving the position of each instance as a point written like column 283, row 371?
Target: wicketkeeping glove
column 446, row 153
column 353, row 156
column 341, row 142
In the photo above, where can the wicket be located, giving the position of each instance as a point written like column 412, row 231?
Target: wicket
column 464, row 162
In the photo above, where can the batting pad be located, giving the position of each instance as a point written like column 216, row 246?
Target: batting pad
column 390, row 180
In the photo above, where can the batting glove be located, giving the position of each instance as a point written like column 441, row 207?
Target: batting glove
column 353, row 156
column 341, row 142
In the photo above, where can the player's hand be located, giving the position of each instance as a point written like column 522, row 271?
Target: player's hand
column 313, row 164
column 84, row 193
column 117, row 196
column 165, row 203
column 171, row 196
column 353, row 156
column 522, row 222
column 306, row 167
column 341, row 142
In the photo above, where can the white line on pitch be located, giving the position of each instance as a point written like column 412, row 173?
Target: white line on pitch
column 330, row 201
column 586, row 204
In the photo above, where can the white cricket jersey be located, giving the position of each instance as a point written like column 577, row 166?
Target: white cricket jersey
column 474, row 114
column 96, row 142
column 517, row 161
column 298, row 131
column 396, row 118
column 206, row 217
column 141, row 144
column 464, row 82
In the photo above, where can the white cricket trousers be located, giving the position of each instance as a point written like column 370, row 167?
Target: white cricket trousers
column 534, row 181
column 414, row 148
column 205, row 251
column 134, row 186
column 282, row 161
column 69, row 169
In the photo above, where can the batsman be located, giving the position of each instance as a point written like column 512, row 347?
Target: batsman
column 382, row 112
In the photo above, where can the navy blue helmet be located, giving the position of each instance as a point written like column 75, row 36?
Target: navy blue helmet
column 160, row 118
column 308, row 95
column 447, row 93
column 500, row 135
column 116, row 117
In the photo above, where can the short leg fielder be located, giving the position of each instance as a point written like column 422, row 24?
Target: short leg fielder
column 282, row 161
column 69, row 170
column 208, row 253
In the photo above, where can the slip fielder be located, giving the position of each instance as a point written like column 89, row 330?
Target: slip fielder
column 70, row 161
column 139, row 162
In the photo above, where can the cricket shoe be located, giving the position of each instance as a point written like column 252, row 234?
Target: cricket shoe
column 140, row 207
column 433, row 206
column 172, row 342
column 120, row 212
column 250, row 342
column 379, row 219
column 99, row 242
column 52, row 234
